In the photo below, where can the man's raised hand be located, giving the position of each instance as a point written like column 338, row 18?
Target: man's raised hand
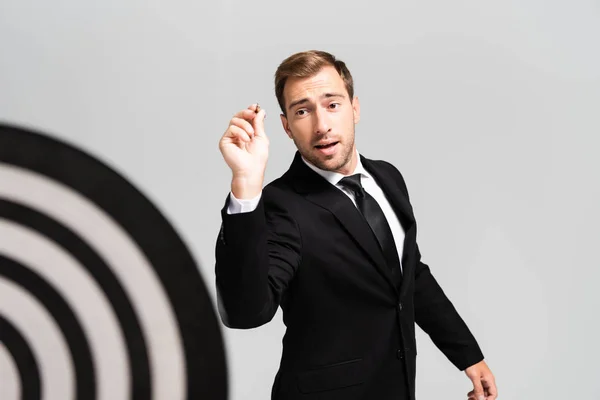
column 245, row 148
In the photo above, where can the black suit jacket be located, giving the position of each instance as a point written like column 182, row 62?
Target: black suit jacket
column 350, row 323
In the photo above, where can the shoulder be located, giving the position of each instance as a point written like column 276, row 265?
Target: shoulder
column 391, row 170
column 278, row 196
column 386, row 165
column 278, row 188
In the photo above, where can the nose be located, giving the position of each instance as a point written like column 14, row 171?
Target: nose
column 321, row 121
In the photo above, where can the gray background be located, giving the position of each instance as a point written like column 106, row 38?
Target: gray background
column 489, row 109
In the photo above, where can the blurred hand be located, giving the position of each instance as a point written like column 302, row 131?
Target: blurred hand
column 484, row 384
column 245, row 148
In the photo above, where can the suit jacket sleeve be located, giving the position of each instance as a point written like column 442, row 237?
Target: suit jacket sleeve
column 257, row 255
column 437, row 316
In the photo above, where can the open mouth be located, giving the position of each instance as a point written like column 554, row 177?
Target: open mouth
column 326, row 146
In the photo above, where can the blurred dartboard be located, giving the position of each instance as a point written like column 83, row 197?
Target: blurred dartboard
column 99, row 297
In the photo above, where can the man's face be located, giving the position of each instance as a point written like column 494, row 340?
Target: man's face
column 320, row 120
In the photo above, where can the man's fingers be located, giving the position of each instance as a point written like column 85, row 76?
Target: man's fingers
column 254, row 119
column 478, row 389
column 235, row 132
column 491, row 390
column 248, row 113
column 242, row 123
column 259, row 123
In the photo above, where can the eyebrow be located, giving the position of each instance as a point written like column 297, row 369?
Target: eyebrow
column 304, row 100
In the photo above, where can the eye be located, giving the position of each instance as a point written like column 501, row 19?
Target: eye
column 334, row 104
column 299, row 111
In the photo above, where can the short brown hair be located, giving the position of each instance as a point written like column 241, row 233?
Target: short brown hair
column 306, row 64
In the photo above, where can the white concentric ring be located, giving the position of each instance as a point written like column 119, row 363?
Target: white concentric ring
column 123, row 256
column 10, row 381
column 41, row 332
column 85, row 297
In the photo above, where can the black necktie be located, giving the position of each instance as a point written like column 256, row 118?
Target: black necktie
column 370, row 209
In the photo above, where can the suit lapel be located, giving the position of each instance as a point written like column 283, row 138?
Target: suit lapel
column 324, row 194
column 403, row 210
column 393, row 193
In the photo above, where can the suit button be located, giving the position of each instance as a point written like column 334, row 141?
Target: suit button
column 400, row 354
column 400, row 306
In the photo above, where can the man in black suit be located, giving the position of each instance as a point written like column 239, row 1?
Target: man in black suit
column 333, row 243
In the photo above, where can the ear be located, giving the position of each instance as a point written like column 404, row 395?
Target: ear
column 286, row 126
column 356, row 109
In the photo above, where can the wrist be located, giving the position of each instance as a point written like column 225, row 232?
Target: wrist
column 245, row 188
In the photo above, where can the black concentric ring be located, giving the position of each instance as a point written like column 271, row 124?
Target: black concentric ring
column 104, row 277
column 199, row 328
column 65, row 318
column 25, row 360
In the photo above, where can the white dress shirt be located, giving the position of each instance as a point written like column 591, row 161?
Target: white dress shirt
column 368, row 182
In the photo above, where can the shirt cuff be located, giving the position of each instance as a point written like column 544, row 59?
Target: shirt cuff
column 238, row 206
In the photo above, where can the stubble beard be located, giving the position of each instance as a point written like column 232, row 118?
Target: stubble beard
column 344, row 155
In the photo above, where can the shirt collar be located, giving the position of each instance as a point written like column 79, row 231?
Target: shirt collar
column 335, row 177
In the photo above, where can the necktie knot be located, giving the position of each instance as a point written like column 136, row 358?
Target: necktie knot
column 352, row 183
